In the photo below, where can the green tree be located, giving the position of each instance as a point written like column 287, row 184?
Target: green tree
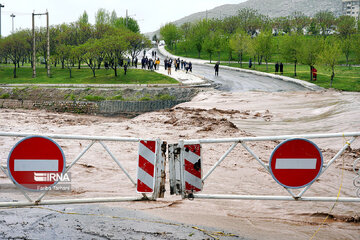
column 14, row 48
column 325, row 20
column 198, row 32
column 265, row 44
column 329, row 56
column 84, row 18
column 309, row 51
column 136, row 43
column 291, row 49
column 239, row 43
column 249, row 19
column 102, row 17
column 114, row 47
column 170, row 34
column 300, row 21
column 91, row 51
column 347, row 47
column 346, row 26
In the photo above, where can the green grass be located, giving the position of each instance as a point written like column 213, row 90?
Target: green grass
column 81, row 76
column 345, row 79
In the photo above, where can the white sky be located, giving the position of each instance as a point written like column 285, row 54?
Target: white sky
column 150, row 14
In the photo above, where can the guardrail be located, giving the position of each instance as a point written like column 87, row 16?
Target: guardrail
column 159, row 171
column 177, row 160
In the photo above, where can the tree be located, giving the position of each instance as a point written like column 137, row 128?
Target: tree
column 239, row 43
column 291, row 49
column 329, row 56
column 14, row 48
column 249, row 19
column 130, row 24
column 170, row 34
column 91, row 52
column 325, row 20
column 347, row 47
column 309, row 51
column 265, row 46
column 114, row 48
column 102, row 17
column 69, row 58
column 299, row 22
column 346, row 26
column 137, row 42
column 198, row 32
column 84, row 18
column 355, row 46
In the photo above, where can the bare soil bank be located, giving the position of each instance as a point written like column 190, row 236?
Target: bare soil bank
column 216, row 114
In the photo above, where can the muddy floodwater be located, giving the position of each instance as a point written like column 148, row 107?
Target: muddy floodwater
column 211, row 114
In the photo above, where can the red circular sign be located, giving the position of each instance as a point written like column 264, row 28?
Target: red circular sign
column 296, row 163
column 36, row 163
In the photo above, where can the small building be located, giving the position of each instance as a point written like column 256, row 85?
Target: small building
column 351, row 7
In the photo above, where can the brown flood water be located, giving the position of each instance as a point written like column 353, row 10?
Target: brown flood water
column 216, row 114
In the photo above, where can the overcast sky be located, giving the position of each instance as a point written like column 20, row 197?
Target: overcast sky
column 150, row 14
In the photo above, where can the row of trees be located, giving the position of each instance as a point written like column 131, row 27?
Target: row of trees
column 302, row 40
column 109, row 40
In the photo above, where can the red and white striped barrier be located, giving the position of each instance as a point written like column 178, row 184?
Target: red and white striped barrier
column 192, row 173
column 146, row 167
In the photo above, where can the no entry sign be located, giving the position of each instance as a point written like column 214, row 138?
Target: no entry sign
column 296, row 163
column 35, row 163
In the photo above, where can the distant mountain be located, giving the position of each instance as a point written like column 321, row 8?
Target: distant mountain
column 272, row 8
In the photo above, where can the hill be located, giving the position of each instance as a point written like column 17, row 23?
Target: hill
column 272, row 8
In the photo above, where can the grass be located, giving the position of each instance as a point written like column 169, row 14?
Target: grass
column 81, row 76
column 345, row 79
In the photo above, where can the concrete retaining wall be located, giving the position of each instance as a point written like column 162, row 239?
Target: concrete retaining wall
column 128, row 108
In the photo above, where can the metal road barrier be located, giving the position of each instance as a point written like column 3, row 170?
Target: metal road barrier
column 149, row 185
column 187, row 179
column 296, row 163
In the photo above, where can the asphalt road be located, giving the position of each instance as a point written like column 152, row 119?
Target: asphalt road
column 233, row 81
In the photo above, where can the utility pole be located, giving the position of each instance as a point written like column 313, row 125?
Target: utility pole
column 1, row 6
column 48, row 43
column 126, row 18
column 34, row 47
column 12, row 16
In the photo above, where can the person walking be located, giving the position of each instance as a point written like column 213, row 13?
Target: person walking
column 157, row 63
column 125, row 68
column 216, row 67
column 136, row 62
column 277, row 68
column 169, row 66
column 281, row 68
column 314, row 73
column 166, row 63
column 250, row 63
column 190, row 66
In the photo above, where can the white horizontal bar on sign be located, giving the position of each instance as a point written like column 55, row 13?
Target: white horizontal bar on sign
column 295, row 163
column 36, row 165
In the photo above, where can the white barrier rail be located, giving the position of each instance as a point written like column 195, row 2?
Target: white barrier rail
column 159, row 172
column 242, row 141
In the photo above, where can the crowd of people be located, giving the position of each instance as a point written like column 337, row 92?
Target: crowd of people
column 153, row 63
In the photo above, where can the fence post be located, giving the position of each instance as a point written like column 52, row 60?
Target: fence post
column 160, row 174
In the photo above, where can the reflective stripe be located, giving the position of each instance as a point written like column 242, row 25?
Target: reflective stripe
column 191, row 179
column 36, row 165
column 295, row 163
column 145, row 178
column 147, row 154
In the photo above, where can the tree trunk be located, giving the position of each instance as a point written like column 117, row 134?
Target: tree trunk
column 62, row 64
column 79, row 64
column 15, row 70
column 295, row 68
column 70, row 72
column 210, row 57
column 93, row 70
column 115, row 70
column 267, row 68
column 332, row 78
column 241, row 60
